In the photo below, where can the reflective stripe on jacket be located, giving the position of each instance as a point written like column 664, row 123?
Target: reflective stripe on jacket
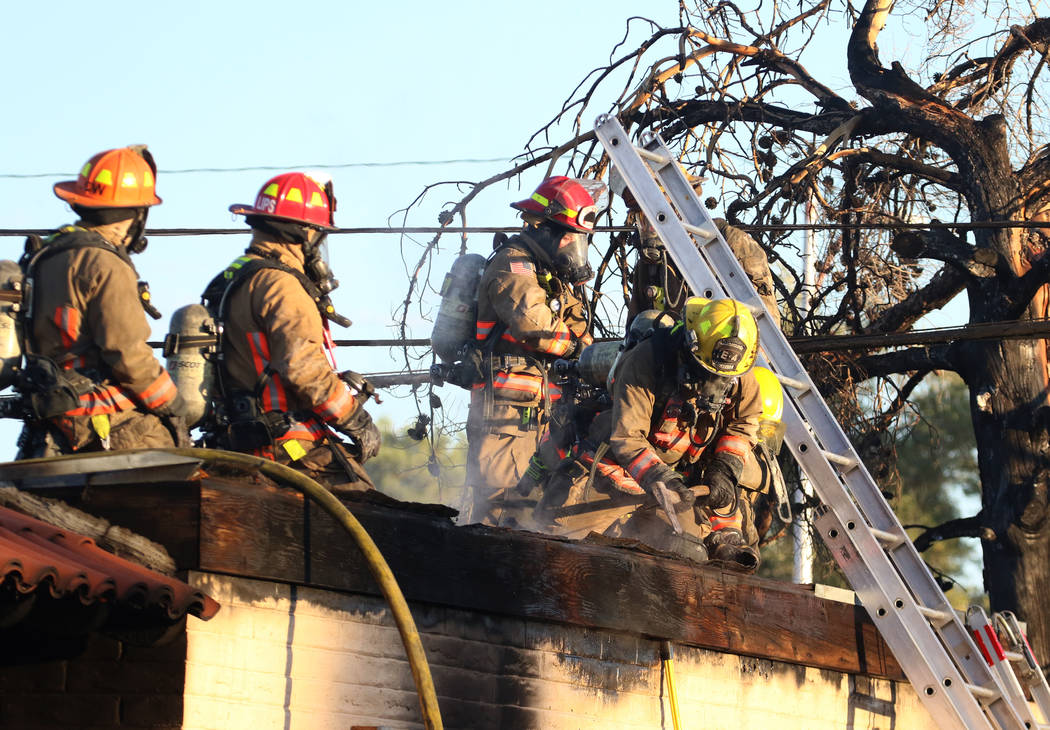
column 274, row 338
column 650, row 445
column 87, row 315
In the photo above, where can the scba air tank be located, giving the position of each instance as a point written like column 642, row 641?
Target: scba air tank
column 599, row 361
column 188, row 349
column 456, row 319
column 11, row 283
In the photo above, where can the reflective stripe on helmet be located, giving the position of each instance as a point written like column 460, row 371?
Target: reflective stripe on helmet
column 568, row 212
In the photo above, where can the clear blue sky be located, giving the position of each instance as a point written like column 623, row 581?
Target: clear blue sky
column 241, row 84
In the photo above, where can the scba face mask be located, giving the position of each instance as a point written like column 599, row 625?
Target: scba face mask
column 712, row 392
column 317, row 265
column 570, row 258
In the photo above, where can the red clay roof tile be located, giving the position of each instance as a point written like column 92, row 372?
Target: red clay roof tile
column 35, row 554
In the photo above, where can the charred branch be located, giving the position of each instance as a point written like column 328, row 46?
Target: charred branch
column 950, row 530
column 940, row 290
column 911, row 166
column 994, row 71
column 941, row 245
column 902, row 361
column 1024, row 288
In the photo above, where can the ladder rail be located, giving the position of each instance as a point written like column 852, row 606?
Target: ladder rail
column 939, row 657
column 994, row 656
column 1033, row 677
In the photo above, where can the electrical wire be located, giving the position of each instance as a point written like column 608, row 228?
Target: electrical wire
column 778, row 228
column 272, row 168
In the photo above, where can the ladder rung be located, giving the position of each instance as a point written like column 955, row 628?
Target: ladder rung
column 656, row 157
column 1014, row 656
column 843, row 461
column 936, row 617
column 794, row 383
column 757, row 308
column 702, row 233
column 983, row 693
column 888, row 540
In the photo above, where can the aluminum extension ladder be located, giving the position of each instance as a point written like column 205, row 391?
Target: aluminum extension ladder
column 929, row 641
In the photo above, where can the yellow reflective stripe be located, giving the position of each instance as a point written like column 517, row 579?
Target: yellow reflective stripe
column 271, row 190
column 316, row 199
column 294, row 195
column 237, row 264
column 544, row 202
column 147, row 179
column 129, row 180
column 104, row 177
column 85, row 169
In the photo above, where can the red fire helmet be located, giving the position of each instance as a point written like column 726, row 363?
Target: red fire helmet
column 566, row 201
column 295, row 197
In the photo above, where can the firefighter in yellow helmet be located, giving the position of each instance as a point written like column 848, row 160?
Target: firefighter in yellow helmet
column 90, row 381
column 279, row 394
column 685, row 415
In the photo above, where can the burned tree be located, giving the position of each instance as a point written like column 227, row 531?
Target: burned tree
column 954, row 136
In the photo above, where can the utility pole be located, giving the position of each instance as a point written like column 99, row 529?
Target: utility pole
column 802, row 525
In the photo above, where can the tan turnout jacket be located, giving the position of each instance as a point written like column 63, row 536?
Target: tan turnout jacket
column 275, row 336
column 86, row 316
column 649, row 439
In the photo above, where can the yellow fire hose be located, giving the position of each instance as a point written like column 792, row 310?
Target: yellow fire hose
column 667, row 657
column 377, row 564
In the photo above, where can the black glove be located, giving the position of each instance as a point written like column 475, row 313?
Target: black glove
column 574, row 349
column 719, row 478
column 363, row 433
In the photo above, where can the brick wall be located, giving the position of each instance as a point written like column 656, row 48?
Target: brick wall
column 110, row 685
column 298, row 658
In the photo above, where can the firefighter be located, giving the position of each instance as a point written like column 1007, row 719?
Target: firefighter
column 656, row 282
column 530, row 312
column 279, row 394
column 90, row 381
column 684, row 418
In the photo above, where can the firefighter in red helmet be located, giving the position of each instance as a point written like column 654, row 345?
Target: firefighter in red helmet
column 530, row 312
column 90, row 381
column 279, row 395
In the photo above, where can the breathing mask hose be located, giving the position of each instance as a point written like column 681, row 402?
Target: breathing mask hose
column 377, row 564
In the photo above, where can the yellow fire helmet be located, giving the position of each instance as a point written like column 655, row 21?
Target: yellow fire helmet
column 721, row 334
column 771, row 392
column 770, row 425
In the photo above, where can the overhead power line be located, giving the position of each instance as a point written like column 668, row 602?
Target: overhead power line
column 1012, row 329
column 780, row 227
column 272, row 168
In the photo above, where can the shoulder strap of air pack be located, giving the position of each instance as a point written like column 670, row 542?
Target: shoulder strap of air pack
column 218, row 292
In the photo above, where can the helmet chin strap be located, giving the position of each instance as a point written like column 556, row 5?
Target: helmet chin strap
column 136, row 241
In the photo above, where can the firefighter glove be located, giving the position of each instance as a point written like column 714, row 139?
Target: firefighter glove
column 721, row 480
column 363, row 432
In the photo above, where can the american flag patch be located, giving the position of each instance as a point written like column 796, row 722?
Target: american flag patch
column 521, row 267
